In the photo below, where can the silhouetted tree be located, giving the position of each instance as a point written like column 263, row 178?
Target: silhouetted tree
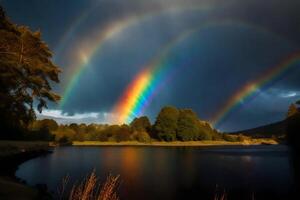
column 292, row 110
column 293, row 127
column 44, row 123
column 293, row 138
column 26, row 71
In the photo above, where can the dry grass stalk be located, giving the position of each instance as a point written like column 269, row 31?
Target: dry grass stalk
column 62, row 189
column 220, row 195
column 108, row 190
column 90, row 189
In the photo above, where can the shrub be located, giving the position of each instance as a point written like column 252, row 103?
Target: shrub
column 204, row 135
column 64, row 140
column 230, row 138
column 42, row 134
column 141, row 137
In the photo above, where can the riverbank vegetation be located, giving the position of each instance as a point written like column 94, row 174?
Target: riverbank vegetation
column 90, row 188
column 171, row 125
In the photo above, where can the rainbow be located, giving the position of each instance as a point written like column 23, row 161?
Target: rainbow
column 140, row 92
column 248, row 90
column 147, row 83
column 90, row 47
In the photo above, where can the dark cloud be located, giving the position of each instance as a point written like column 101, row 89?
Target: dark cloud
column 244, row 39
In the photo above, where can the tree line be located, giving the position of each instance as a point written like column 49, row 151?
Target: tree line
column 171, row 124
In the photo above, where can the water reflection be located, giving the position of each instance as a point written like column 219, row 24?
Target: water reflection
column 171, row 173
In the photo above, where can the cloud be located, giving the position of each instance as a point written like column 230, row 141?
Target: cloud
column 65, row 118
column 280, row 92
column 289, row 94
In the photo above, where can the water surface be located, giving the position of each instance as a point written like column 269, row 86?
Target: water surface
column 171, row 172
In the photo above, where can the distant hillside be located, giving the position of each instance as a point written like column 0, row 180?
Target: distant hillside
column 276, row 129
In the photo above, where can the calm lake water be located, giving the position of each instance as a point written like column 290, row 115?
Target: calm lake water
column 171, row 173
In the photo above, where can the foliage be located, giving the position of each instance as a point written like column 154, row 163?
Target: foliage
column 43, row 134
column 293, row 129
column 183, row 124
column 171, row 124
column 165, row 126
column 64, row 140
column 141, row 137
column 45, row 123
column 292, row 110
column 187, row 125
column 64, row 131
column 123, row 133
column 141, row 124
column 231, row 138
column 206, row 132
column 26, row 71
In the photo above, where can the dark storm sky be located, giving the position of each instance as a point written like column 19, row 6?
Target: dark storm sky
column 220, row 58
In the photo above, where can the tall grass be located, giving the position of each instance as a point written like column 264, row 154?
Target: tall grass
column 220, row 195
column 91, row 189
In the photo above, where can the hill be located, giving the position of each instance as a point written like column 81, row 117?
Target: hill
column 266, row 131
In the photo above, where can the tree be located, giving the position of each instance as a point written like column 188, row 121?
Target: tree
column 292, row 110
column 44, row 123
column 26, row 72
column 206, row 132
column 293, row 129
column 165, row 125
column 141, row 137
column 74, row 127
column 141, row 124
column 187, row 125
column 123, row 133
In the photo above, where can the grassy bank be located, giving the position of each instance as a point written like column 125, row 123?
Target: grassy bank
column 12, row 154
column 176, row 143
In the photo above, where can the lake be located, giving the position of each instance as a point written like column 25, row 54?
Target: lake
column 171, row 172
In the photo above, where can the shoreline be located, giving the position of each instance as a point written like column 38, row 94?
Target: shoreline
column 13, row 154
column 177, row 143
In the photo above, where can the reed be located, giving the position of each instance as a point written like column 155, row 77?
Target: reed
column 91, row 189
